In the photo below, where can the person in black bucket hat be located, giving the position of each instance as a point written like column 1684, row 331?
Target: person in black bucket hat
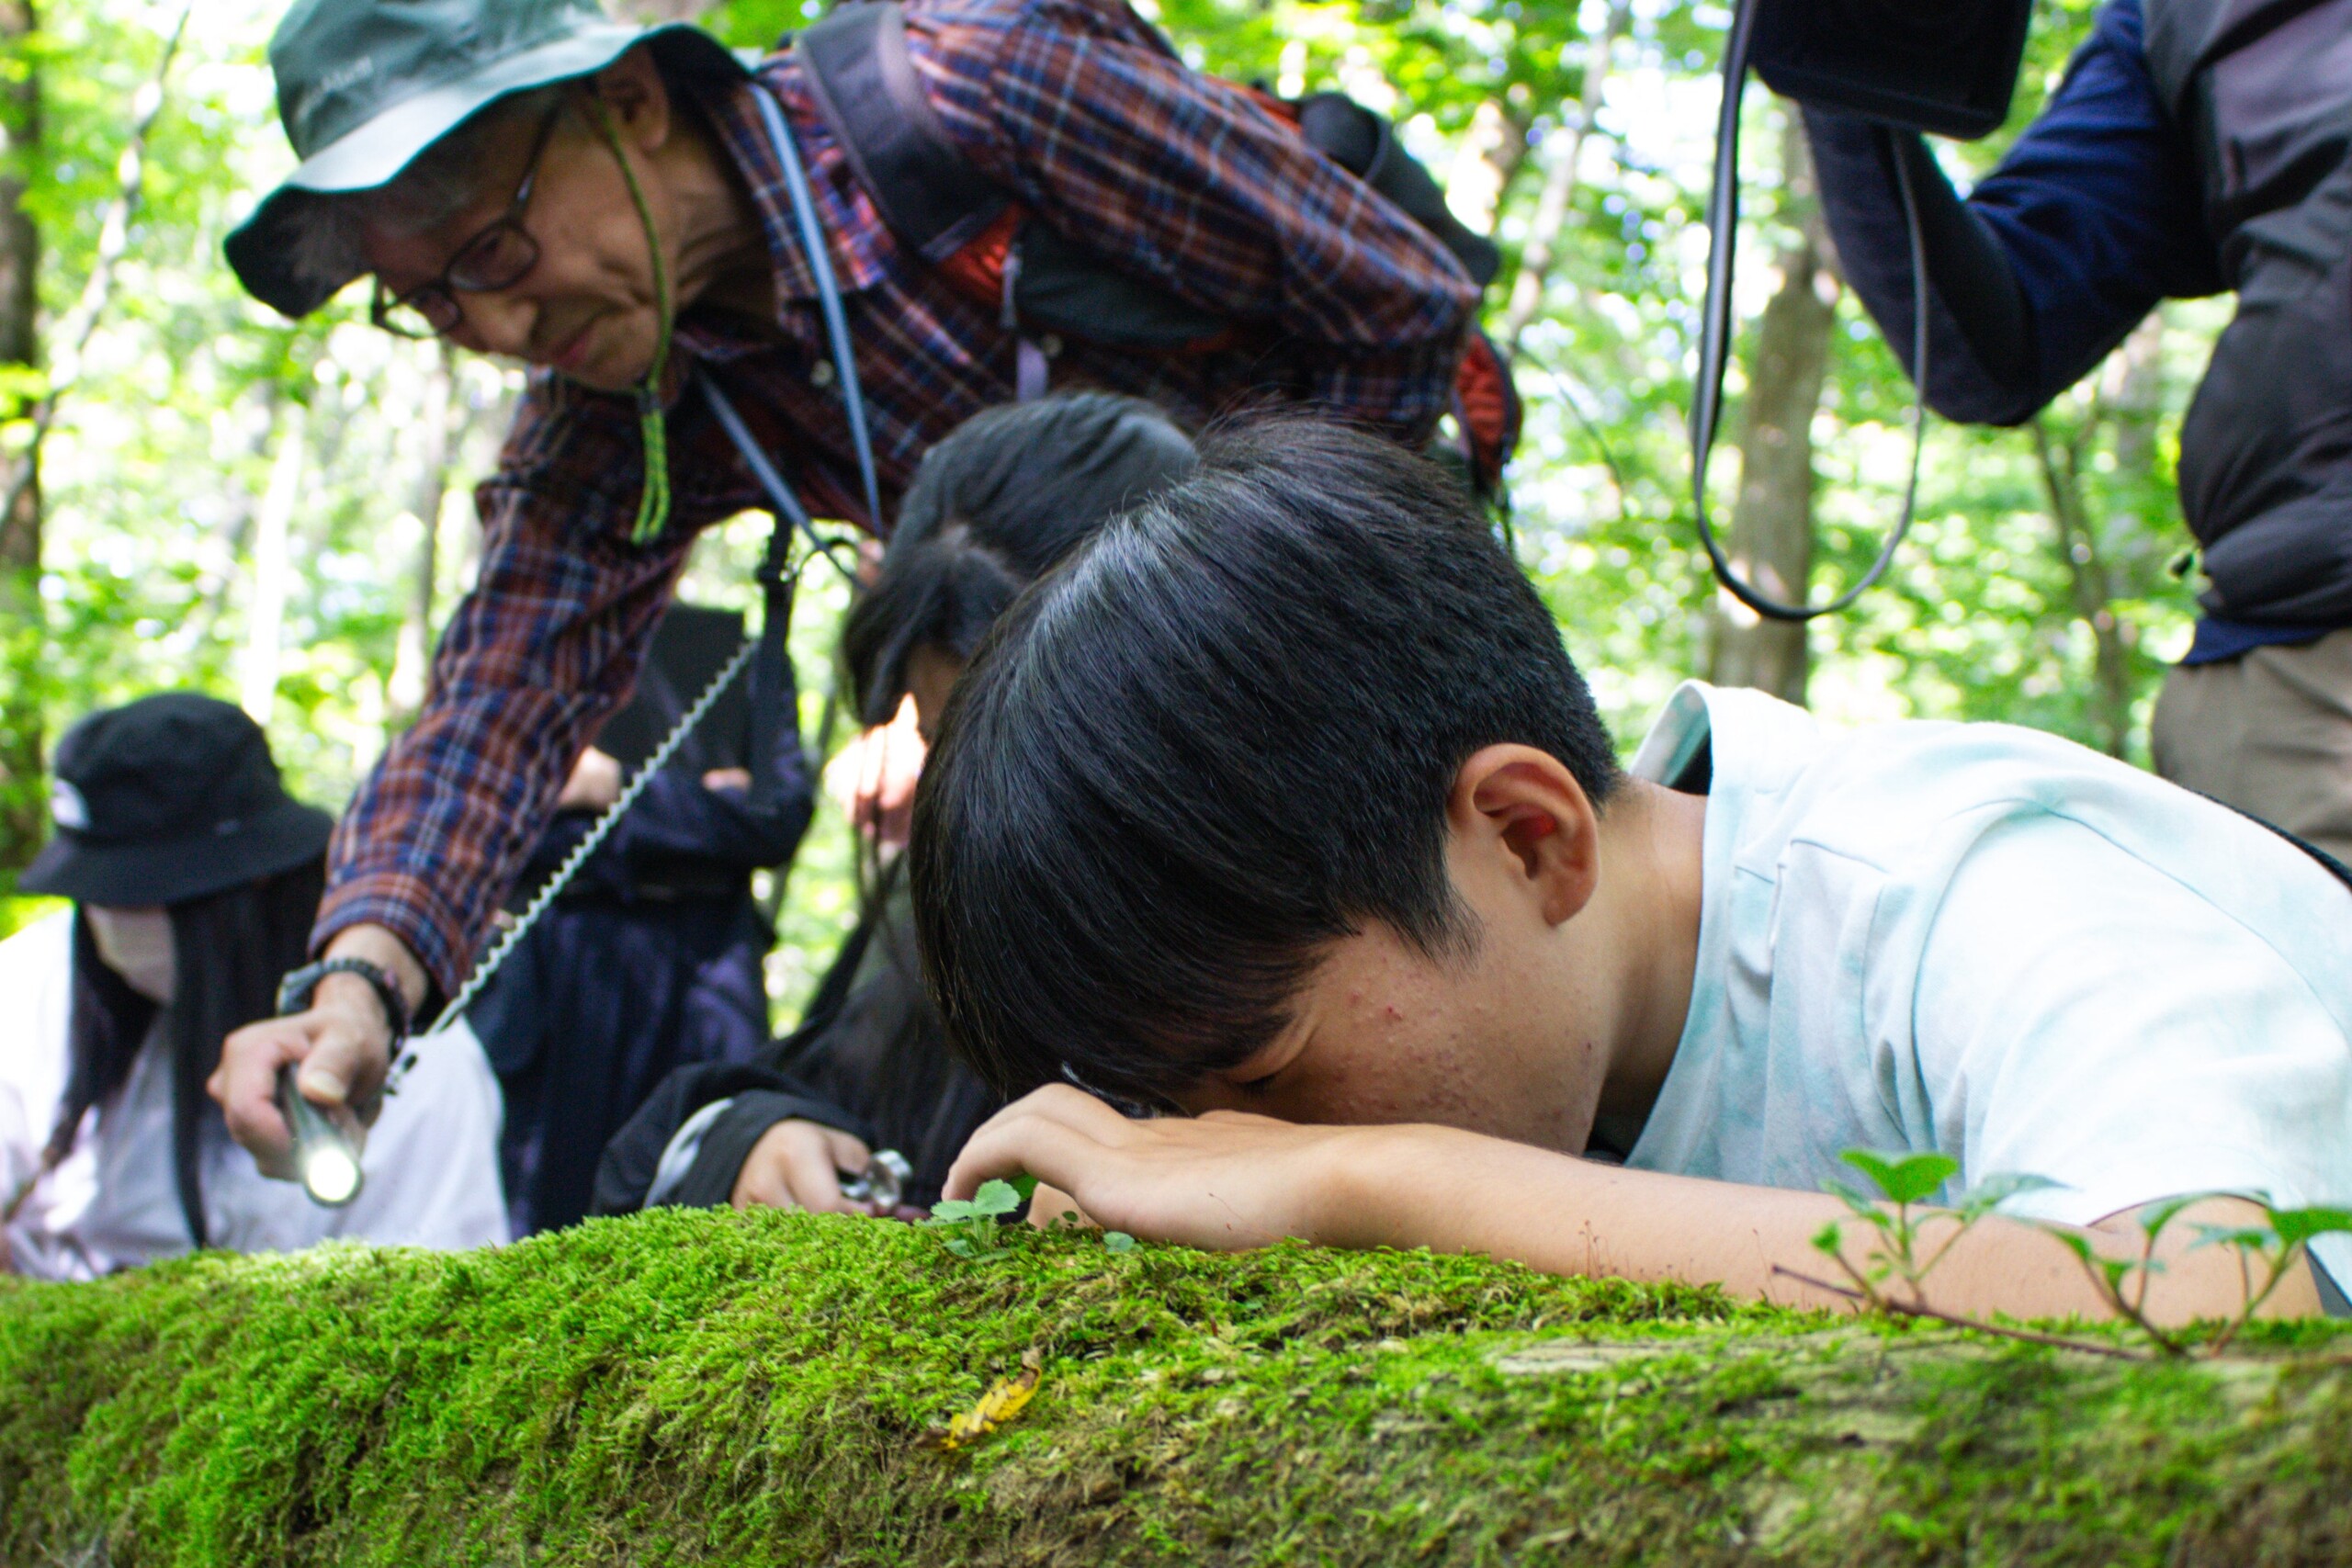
column 194, row 877
column 168, row 799
column 613, row 206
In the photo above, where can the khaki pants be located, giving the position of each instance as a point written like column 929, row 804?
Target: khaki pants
column 2269, row 733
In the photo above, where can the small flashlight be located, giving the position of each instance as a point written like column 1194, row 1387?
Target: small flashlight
column 882, row 1183
column 323, row 1155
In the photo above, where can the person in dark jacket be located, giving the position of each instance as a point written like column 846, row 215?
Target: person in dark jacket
column 992, row 508
column 2195, row 146
column 651, row 957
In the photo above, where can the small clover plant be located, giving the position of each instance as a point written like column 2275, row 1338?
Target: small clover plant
column 973, row 1227
column 977, row 1227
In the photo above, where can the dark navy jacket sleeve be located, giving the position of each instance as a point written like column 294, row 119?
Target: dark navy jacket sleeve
column 2096, row 209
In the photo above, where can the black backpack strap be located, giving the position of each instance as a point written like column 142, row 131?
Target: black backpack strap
column 1364, row 144
column 865, row 87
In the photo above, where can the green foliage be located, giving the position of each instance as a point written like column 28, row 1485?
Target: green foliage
column 1898, row 1212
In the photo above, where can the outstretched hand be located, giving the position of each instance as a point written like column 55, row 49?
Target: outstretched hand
column 1224, row 1180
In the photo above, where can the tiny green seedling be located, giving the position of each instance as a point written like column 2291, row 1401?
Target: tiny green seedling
column 2266, row 1252
column 1906, row 1182
column 972, row 1227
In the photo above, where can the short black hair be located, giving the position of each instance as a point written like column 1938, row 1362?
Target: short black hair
column 1219, row 738
column 1000, row 499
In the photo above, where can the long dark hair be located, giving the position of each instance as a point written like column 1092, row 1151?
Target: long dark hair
column 229, row 950
column 993, row 506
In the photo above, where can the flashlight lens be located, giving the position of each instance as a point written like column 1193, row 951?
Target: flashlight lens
column 330, row 1175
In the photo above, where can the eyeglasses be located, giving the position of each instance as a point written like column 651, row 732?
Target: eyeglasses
column 498, row 257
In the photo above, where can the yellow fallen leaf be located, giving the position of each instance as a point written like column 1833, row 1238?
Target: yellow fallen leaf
column 999, row 1404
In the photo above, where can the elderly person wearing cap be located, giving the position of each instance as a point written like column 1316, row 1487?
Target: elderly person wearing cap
column 615, row 207
column 194, row 878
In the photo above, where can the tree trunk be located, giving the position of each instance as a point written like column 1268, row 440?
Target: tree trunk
column 693, row 1386
column 2094, row 588
column 1562, row 151
column 1771, row 531
column 412, row 661
column 273, row 568
column 22, row 799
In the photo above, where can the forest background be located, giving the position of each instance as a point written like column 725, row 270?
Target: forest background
column 201, row 494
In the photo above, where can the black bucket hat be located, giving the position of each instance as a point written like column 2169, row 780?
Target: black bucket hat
column 168, row 798
column 364, row 85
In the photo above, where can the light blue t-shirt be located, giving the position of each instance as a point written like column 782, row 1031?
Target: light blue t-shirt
column 1995, row 943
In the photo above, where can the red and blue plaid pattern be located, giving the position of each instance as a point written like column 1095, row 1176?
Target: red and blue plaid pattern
column 1081, row 109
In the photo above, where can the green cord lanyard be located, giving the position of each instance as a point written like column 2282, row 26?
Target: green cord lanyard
column 653, row 500
column 653, row 497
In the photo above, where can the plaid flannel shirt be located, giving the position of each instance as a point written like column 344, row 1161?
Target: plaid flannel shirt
column 1082, row 110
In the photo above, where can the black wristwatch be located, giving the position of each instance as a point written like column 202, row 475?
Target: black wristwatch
column 294, row 992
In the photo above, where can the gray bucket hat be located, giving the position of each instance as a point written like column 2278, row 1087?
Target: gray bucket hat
column 364, row 85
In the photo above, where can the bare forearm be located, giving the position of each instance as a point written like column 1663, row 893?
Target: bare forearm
column 1460, row 1192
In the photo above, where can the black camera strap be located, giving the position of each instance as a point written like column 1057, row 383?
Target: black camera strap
column 1715, row 333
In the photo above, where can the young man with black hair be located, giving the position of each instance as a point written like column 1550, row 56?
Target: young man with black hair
column 1283, row 806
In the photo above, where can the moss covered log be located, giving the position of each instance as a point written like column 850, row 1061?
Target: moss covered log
column 716, row 1388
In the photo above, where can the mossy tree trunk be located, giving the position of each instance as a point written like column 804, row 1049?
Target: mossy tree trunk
column 688, row 1388
column 1771, row 529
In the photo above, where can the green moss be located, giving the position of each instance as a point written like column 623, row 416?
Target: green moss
column 696, row 1387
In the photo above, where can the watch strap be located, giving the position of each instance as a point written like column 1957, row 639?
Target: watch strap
column 295, row 991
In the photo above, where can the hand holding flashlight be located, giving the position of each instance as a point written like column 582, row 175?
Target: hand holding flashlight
column 327, row 1159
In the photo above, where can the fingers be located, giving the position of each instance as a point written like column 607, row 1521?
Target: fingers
column 245, row 1084
column 1049, row 1205
column 811, row 1172
column 796, row 1164
column 848, row 1153
column 346, row 1065
column 1050, row 1134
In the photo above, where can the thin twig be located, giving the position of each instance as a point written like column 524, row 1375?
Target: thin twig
column 1921, row 1309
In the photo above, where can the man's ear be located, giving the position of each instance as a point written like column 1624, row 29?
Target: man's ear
column 637, row 98
column 1522, row 810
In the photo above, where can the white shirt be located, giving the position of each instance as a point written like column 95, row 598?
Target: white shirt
column 430, row 1163
column 1994, row 943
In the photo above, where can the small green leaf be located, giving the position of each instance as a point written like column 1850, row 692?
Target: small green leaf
column 2155, row 1218
column 1998, row 1189
column 1854, row 1198
column 1828, row 1238
column 1118, row 1241
column 1024, row 1185
column 2073, row 1241
column 995, row 1198
column 2301, row 1225
column 2250, row 1239
column 954, row 1211
column 1903, row 1179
